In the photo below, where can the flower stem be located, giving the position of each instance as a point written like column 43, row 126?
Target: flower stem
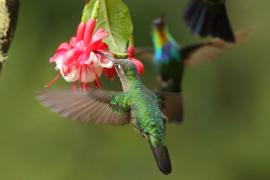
column 95, row 10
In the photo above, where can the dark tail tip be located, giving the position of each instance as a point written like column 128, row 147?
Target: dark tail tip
column 205, row 20
column 162, row 158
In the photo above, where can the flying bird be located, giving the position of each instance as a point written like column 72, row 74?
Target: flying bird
column 146, row 110
column 170, row 59
column 209, row 17
column 8, row 19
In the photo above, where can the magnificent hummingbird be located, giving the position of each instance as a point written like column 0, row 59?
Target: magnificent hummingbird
column 146, row 110
column 170, row 59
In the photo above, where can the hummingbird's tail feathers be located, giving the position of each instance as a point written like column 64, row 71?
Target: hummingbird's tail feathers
column 204, row 19
column 172, row 106
column 162, row 158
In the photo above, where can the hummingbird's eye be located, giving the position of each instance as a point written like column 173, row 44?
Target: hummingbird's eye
column 118, row 66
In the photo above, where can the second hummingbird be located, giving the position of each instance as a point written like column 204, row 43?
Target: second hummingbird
column 170, row 58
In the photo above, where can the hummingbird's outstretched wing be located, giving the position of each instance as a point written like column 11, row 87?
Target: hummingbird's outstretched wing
column 9, row 14
column 172, row 106
column 94, row 106
column 197, row 54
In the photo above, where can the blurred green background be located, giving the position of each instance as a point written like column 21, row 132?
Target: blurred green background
column 226, row 133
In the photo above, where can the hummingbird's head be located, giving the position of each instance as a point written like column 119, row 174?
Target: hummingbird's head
column 159, row 24
column 126, row 69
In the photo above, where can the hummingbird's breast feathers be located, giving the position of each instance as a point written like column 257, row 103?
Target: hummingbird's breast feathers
column 165, row 46
column 148, row 117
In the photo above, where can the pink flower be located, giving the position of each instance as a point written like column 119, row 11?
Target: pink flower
column 77, row 59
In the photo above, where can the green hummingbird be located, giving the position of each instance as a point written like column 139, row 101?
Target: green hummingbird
column 8, row 14
column 146, row 110
column 209, row 17
column 170, row 59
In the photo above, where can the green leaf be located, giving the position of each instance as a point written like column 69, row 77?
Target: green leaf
column 114, row 17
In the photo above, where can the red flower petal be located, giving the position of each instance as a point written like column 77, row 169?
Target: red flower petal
column 73, row 42
column 89, row 29
column 63, row 47
column 131, row 52
column 80, row 31
column 97, row 41
column 99, row 35
column 139, row 65
column 110, row 73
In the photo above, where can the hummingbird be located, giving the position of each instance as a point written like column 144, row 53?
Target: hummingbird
column 209, row 17
column 8, row 13
column 146, row 110
column 170, row 59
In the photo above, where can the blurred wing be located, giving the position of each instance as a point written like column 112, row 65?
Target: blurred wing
column 172, row 105
column 93, row 106
column 204, row 52
column 145, row 53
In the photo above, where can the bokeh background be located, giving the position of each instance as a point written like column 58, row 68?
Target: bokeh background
column 226, row 133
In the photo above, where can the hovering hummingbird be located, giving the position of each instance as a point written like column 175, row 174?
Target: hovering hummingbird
column 9, row 13
column 171, row 59
column 138, row 105
column 209, row 17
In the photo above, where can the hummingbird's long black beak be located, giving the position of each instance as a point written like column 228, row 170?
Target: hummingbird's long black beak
column 114, row 60
column 105, row 55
